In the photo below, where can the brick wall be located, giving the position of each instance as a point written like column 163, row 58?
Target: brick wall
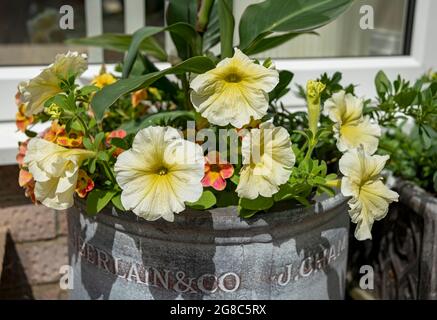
column 36, row 244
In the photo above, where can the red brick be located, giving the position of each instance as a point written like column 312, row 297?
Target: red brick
column 41, row 260
column 29, row 222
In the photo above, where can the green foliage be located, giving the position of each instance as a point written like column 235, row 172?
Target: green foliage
column 399, row 100
column 206, row 201
column 410, row 158
column 172, row 118
column 121, row 43
column 286, row 16
column 226, row 19
column 184, row 30
column 110, row 94
column 97, row 200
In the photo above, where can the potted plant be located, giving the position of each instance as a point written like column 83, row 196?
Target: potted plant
column 204, row 187
column 404, row 249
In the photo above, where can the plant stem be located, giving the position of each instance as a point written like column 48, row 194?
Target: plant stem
column 186, row 88
column 203, row 15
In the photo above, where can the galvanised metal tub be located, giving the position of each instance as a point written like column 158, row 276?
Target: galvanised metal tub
column 288, row 253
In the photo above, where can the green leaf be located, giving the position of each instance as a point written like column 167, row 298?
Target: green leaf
column 182, row 11
column 258, row 204
column 84, row 91
column 116, row 201
column 227, row 199
column 30, row 134
column 182, row 29
column 212, row 34
column 227, row 23
column 287, row 16
column 170, row 118
column 97, row 200
column 119, row 143
column 110, row 94
column 206, row 201
column 235, row 179
column 121, row 43
column 382, row 84
column 266, row 43
column 246, row 213
column 285, row 77
column 88, row 144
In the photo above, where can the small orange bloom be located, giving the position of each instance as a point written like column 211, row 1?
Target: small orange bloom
column 216, row 171
column 84, row 184
column 22, row 148
column 120, row 133
column 139, row 96
column 25, row 180
column 57, row 134
column 21, row 120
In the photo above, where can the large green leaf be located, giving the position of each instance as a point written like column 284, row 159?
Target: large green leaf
column 171, row 118
column 181, row 29
column 121, row 42
column 226, row 27
column 212, row 34
column 182, row 11
column 285, row 78
column 287, row 16
column 263, row 43
column 110, row 94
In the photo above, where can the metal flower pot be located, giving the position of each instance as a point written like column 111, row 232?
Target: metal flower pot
column 288, row 253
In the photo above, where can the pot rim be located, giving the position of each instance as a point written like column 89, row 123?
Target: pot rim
column 218, row 220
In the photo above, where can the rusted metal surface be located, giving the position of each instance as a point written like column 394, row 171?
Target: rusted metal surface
column 298, row 253
column 403, row 251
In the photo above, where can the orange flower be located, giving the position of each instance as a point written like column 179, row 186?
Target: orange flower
column 22, row 148
column 21, row 120
column 139, row 96
column 120, row 133
column 25, row 180
column 84, row 184
column 57, row 134
column 216, row 171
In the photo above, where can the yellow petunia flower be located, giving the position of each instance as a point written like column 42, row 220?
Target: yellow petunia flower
column 160, row 173
column 234, row 91
column 351, row 128
column 47, row 84
column 362, row 181
column 55, row 170
column 267, row 161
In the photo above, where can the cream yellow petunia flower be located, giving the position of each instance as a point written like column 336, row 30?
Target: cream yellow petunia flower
column 267, row 161
column 351, row 128
column 362, row 182
column 55, row 170
column 234, row 91
column 47, row 84
column 160, row 173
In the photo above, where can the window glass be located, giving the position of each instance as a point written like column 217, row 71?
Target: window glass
column 30, row 32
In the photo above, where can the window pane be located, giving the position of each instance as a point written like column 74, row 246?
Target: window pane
column 345, row 38
column 30, row 32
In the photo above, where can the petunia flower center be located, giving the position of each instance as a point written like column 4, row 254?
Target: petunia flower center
column 162, row 171
column 233, row 77
column 215, row 168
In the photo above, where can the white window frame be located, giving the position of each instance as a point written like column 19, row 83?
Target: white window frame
column 359, row 70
